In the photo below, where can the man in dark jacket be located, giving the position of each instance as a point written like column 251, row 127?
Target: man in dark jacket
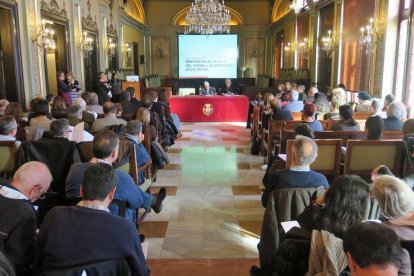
column 128, row 108
column 89, row 233
column 299, row 175
column 18, row 217
column 103, row 88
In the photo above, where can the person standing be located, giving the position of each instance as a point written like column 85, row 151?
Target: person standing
column 64, row 89
column 104, row 88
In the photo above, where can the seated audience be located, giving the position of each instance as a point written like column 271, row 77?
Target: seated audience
column 364, row 103
column 105, row 150
column 337, row 100
column 280, row 89
column 308, row 116
column 341, row 206
column 41, row 112
column 87, row 117
column 206, row 90
column 92, row 104
column 389, row 99
column 302, row 93
column 72, row 82
column 14, row 109
column 299, row 175
column 58, row 107
column 278, row 113
column 396, row 201
column 110, row 118
column 134, row 100
column 18, row 217
column 133, row 133
column 228, row 88
column 118, row 110
column 8, row 129
column 346, row 123
column 75, row 116
column 374, row 126
column 98, row 235
column 374, row 249
column 311, row 95
column 267, row 109
column 376, row 108
column 322, row 103
column 3, row 105
column 286, row 93
column 294, row 105
column 304, row 130
column 396, row 112
column 64, row 89
column 129, row 109
column 144, row 116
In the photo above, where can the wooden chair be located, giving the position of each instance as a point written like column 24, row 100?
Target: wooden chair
column 392, row 134
column 329, row 156
column 363, row 156
column 131, row 166
column 8, row 152
column 254, row 121
column 290, row 125
column 297, row 116
column 271, row 138
column 326, row 124
column 363, row 116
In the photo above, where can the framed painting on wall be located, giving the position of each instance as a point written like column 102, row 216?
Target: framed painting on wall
column 161, row 55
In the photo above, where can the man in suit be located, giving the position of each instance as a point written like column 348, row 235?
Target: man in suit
column 207, row 90
column 88, row 233
column 103, row 88
column 228, row 88
column 109, row 120
column 299, row 175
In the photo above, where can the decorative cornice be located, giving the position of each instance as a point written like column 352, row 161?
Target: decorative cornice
column 129, row 20
column 88, row 22
column 111, row 31
column 54, row 8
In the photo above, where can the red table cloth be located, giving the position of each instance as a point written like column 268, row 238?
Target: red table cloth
column 210, row 108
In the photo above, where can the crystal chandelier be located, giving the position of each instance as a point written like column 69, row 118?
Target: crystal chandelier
column 367, row 37
column 207, row 17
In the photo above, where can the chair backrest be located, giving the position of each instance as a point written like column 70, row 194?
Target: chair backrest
column 127, row 149
column 85, row 151
column 111, row 267
column 8, row 152
column 363, row 156
column 282, row 205
column 58, row 154
column 290, row 125
column 326, row 124
column 362, row 115
column 409, row 246
column 297, row 116
column 328, row 160
column 392, row 134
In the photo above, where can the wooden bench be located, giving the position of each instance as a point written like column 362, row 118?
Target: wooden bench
column 271, row 138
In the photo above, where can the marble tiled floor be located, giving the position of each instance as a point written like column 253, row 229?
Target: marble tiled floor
column 212, row 215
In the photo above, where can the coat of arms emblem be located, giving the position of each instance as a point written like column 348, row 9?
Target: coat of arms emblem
column 208, row 109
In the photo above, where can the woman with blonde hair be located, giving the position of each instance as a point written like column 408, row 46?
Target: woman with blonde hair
column 144, row 116
column 396, row 201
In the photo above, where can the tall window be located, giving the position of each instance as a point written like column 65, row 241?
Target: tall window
column 404, row 76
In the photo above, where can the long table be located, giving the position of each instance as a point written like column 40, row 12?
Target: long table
column 210, row 108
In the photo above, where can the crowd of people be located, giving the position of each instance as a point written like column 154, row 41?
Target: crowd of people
column 86, row 193
column 332, row 237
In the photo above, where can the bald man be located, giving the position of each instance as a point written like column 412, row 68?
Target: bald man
column 18, row 217
column 299, row 175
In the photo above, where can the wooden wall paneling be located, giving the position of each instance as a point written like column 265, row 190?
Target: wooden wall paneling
column 303, row 32
column 355, row 63
column 326, row 18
